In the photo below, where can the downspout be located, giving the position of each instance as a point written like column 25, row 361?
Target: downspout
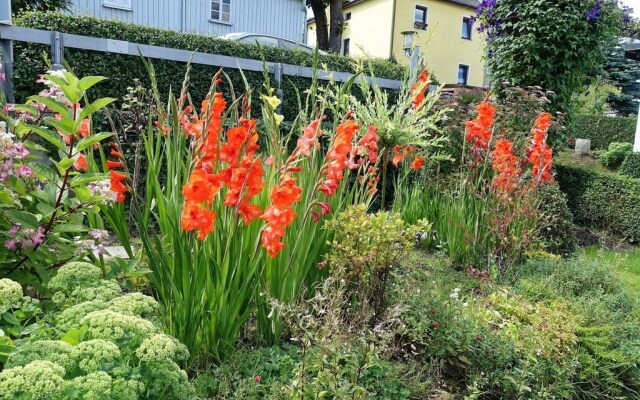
column 183, row 16
column 393, row 27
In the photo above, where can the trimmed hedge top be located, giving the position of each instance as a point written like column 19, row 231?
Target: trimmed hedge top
column 91, row 26
column 602, row 130
column 604, row 201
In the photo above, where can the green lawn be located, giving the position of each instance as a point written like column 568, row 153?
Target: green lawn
column 626, row 262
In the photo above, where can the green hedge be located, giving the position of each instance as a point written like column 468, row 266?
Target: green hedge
column 631, row 166
column 122, row 69
column 604, row 201
column 602, row 130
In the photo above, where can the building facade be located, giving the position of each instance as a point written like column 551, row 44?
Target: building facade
column 443, row 30
column 283, row 18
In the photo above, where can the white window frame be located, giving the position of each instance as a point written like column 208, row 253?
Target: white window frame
column 458, row 73
column 470, row 31
column 112, row 4
column 220, row 20
column 426, row 16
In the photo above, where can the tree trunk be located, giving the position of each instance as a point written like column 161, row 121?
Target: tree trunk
column 322, row 26
column 335, row 27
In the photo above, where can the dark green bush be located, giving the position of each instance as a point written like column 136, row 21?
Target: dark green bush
column 602, row 130
column 631, row 166
column 123, row 69
column 600, row 200
column 556, row 228
column 615, row 154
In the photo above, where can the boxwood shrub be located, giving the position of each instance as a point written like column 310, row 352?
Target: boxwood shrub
column 30, row 59
column 602, row 200
column 631, row 166
column 602, row 130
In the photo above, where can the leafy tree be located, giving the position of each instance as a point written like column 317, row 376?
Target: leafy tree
column 624, row 73
column 18, row 6
column 328, row 31
column 550, row 43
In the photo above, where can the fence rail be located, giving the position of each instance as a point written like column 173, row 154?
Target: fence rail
column 59, row 41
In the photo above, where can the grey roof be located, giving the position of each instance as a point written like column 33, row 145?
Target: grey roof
column 466, row 3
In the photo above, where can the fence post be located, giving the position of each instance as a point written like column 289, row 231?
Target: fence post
column 277, row 77
column 57, row 51
column 6, row 54
column 414, row 64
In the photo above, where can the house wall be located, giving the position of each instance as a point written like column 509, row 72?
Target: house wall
column 284, row 18
column 369, row 29
column 441, row 43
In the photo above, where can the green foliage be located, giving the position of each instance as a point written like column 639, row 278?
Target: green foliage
column 97, row 349
column 19, row 6
column 615, row 154
column 547, row 43
column 483, row 340
column 364, row 250
column 602, row 130
column 46, row 197
column 607, row 332
column 556, row 230
column 273, row 373
column 592, row 100
column 631, row 166
column 604, row 201
column 122, row 69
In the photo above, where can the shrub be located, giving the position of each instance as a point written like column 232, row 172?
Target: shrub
column 365, row 248
column 98, row 349
column 555, row 228
column 631, row 166
column 601, row 200
column 615, row 154
column 602, row 130
column 29, row 62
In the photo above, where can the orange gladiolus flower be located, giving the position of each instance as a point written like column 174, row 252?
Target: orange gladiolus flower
column 417, row 163
column 479, row 131
column 418, row 89
column 200, row 188
column 309, row 140
column 506, row 164
column 540, row 155
column 196, row 218
column 113, row 164
column 81, row 163
column 338, row 155
column 85, row 128
column 117, row 186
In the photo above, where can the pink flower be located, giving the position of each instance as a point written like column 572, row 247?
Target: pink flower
column 14, row 229
column 24, row 171
column 11, row 244
column 38, row 237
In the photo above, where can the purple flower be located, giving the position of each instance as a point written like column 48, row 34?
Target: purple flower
column 38, row 237
column 14, row 229
column 24, row 171
column 98, row 234
column 11, row 244
column 596, row 11
column 3, row 77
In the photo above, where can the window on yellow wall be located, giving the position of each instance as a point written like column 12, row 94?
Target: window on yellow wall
column 346, row 43
column 347, row 16
column 467, row 28
column 420, row 17
column 463, row 74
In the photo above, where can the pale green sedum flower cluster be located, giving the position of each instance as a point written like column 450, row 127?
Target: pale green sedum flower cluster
column 103, row 345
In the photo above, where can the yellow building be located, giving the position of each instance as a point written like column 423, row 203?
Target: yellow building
column 442, row 29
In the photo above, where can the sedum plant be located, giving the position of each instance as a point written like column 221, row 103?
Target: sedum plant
column 94, row 348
